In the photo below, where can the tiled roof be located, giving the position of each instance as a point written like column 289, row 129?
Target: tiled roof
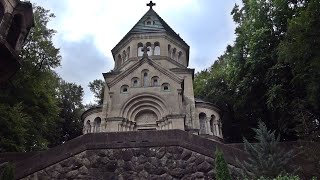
column 158, row 26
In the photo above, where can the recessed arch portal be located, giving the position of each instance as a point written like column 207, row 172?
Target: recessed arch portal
column 142, row 103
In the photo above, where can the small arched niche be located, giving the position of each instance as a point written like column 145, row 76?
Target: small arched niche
column 165, row 87
column 128, row 52
column 174, row 55
column 96, row 124
column 180, row 57
column 140, row 48
column 124, row 55
column 155, row 81
column 145, row 77
column 135, row 82
column 119, row 61
column 157, row 49
column 124, row 89
column 169, row 50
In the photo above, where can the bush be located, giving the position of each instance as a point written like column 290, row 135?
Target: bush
column 222, row 171
column 265, row 158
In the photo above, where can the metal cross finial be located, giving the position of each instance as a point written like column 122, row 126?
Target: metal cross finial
column 145, row 51
column 150, row 4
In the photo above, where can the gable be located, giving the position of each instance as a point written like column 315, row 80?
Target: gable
column 150, row 63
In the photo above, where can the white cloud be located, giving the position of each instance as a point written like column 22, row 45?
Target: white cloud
column 205, row 25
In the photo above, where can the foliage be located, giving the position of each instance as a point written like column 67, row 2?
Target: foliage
column 33, row 91
column 222, row 171
column 265, row 158
column 13, row 136
column 270, row 72
column 37, row 109
column 69, row 125
column 8, row 172
column 97, row 88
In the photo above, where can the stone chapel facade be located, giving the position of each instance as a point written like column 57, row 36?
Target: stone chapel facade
column 151, row 86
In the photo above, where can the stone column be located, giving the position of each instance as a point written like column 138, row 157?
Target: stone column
column 180, row 99
column 208, row 128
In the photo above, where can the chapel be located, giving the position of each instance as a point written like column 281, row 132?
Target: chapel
column 151, row 86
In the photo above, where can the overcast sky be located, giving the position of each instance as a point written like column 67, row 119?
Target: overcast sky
column 88, row 30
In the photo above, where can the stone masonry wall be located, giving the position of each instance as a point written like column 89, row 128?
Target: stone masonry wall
column 171, row 162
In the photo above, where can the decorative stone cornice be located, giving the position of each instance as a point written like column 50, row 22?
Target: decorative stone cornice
column 207, row 105
column 96, row 109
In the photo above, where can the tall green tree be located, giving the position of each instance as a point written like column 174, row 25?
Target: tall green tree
column 32, row 92
column 97, row 88
column 69, row 124
column 300, row 50
column 269, row 73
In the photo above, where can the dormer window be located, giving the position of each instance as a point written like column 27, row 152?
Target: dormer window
column 149, row 22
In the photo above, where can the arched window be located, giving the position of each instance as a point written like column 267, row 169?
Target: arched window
column 96, row 124
column 157, row 48
column 140, row 48
column 14, row 31
column 169, row 50
column 88, row 127
column 174, row 53
column 145, row 77
column 179, row 56
column 128, row 53
column 155, row 81
column 124, row 55
column 119, row 61
column 165, row 87
column 150, row 52
column 124, row 89
column 1, row 12
column 135, row 82
column 203, row 119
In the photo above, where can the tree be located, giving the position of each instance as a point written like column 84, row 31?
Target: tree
column 15, row 121
column 222, row 171
column 265, row 158
column 270, row 72
column 32, row 92
column 97, row 88
column 69, row 125
column 300, row 49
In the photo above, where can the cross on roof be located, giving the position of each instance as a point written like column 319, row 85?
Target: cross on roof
column 145, row 51
column 150, row 4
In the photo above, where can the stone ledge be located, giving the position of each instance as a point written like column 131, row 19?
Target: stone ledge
column 116, row 140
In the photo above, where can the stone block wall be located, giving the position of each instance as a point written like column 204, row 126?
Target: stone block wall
column 171, row 162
